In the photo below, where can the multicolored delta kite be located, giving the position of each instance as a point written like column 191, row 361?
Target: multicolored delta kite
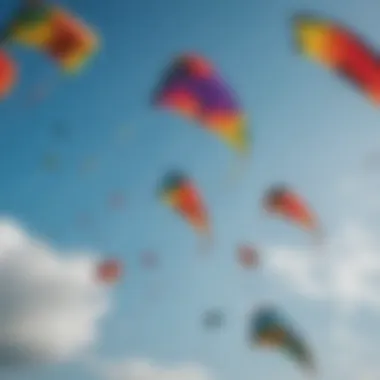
column 341, row 50
column 269, row 328
column 55, row 32
column 178, row 191
column 192, row 87
column 284, row 202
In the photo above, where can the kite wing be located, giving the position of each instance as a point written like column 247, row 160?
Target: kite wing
column 181, row 194
column 55, row 32
column 191, row 87
column 340, row 49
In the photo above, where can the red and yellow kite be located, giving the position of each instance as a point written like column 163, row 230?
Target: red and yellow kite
column 285, row 203
column 181, row 194
column 341, row 50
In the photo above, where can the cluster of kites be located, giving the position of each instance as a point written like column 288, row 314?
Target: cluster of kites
column 48, row 29
column 192, row 87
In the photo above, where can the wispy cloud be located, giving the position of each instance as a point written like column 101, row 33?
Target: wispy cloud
column 345, row 272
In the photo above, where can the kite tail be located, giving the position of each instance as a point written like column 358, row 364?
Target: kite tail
column 319, row 238
column 296, row 349
column 237, row 170
column 206, row 242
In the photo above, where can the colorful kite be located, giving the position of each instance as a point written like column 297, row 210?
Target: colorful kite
column 109, row 271
column 285, row 203
column 269, row 328
column 192, row 87
column 247, row 257
column 180, row 193
column 55, row 32
column 8, row 74
column 341, row 50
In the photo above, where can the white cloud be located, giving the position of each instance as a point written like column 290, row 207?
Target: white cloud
column 346, row 270
column 50, row 305
column 142, row 369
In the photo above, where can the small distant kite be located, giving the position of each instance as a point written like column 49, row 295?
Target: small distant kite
column 36, row 94
column 341, row 50
column 192, row 87
column 116, row 200
column 149, row 260
column 61, row 131
column 109, row 271
column 85, row 220
column 180, row 193
column 8, row 74
column 54, row 31
column 247, row 257
column 213, row 319
column 51, row 162
column 285, row 203
column 269, row 328
column 89, row 165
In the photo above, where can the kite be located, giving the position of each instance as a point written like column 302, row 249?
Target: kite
column 247, row 256
column 109, row 271
column 61, row 131
column 85, row 220
column 55, row 32
column 192, row 87
column 337, row 47
column 116, row 200
column 51, row 162
column 178, row 191
column 89, row 165
column 213, row 319
column 283, row 202
column 269, row 328
column 149, row 260
column 8, row 74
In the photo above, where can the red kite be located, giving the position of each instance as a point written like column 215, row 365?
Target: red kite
column 341, row 50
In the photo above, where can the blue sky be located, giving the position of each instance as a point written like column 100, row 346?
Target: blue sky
column 310, row 129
